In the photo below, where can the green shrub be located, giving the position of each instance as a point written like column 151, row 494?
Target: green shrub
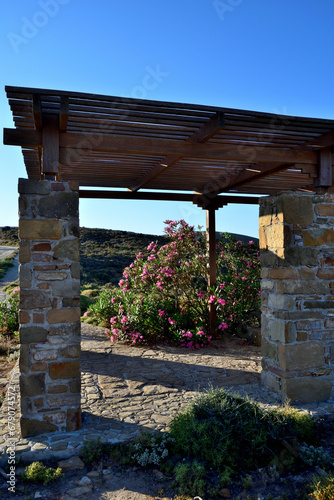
column 36, row 472
column 223, row 430
column 9, row 314
column 190, row 478
column 93, row 450
column 163, row 296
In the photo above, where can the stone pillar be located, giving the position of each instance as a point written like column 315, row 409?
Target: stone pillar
column 49, row 278
column 297, row 259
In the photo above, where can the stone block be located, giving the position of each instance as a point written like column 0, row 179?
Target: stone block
column 318, row 237
column 268, row 349
column 306, row 273
column 310, row 315
column 268, row 259
column 64, row 401
column 307, row 389
column 38, row 317
column 60, row 206
column 34, row 299
column 32, row 229
column 284, row 273
column 24, row 252
column 24, row 317
column 277, row 331
column 51, row 276
column 75, row 270
column 57, row 389
column 71, row 302
column 27, row 186
column 299, row 256
column 32, row 385
column 325, row 274
column 42, row 247
column 34, row 427
column 56, row 417
column 66, row 289
column 297, row 287
column 325, row 209
column 46, row 355
column 33, row 334
column 73, row 420
column 24, row 362
column 281, row 302
column 71, row 351
column 296, row 209
column 67, row 249
column 302, row 336
column 65, row 370
column 69, row 330
column 25, row 276
column 275, row 236
column 318, row 304
column 270, row 381
column 262, row 239
column 41, row 257
column 39, row 367
column 67, row 315
column 75, row 385
column 301, row 356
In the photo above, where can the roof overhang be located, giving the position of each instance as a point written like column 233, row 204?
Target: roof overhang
column 115, row 142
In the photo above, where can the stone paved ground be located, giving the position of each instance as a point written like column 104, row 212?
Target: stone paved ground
column 126, row 390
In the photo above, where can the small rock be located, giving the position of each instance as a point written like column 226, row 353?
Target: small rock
column 80, row 491
column 224, row 493
column 84, row 481
column 37, row 495
column 106, row 471
column 71, row 463
column 93, row 473
column 158, row 474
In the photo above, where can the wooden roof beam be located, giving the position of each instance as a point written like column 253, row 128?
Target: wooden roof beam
column 158, row 147
column 63, row 113
column 325, row 177
column 50, row 146
column 321, row 141
column 37, row 111
column 204, row 133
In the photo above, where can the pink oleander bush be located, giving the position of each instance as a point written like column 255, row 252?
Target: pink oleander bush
column 163, row 295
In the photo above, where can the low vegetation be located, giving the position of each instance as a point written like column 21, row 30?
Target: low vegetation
column 222, row 441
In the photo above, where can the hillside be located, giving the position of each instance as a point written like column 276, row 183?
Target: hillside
column 104, row 252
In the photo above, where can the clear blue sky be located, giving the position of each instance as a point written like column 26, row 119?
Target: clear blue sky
column 265, row 55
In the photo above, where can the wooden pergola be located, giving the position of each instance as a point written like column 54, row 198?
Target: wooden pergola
column 150, row 150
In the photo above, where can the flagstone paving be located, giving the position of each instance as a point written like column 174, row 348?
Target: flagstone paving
column 126, row 390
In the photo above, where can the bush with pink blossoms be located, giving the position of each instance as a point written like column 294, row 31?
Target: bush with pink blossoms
column 163, row 296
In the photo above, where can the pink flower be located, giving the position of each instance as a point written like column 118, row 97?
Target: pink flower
column 86, row 313
column 124, row 320
column 113, row 300
column 16, row 290
column 244, row 278
column 161, row 312
column 222, row 326
column 212, row 298
column 221, row 301
column 113, row 320
column 251, row 242
column 121, row 282
column 171, row 321
column 200, row 295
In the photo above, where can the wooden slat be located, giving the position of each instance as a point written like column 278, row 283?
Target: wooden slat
column 37, row 111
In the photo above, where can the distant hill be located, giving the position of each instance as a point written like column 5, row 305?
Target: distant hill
column 106, row 252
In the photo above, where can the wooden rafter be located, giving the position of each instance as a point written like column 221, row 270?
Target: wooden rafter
column 63, row 113
column 208, row 130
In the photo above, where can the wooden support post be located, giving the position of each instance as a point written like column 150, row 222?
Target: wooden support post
column 50, row 144
column 212, row 266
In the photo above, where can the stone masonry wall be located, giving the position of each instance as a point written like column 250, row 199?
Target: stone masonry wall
column 49, row 307
column 297, row 259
